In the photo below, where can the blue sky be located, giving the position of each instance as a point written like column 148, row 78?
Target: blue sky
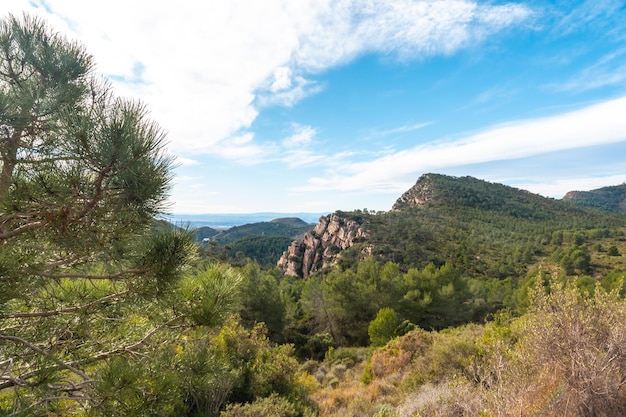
column 322, row 105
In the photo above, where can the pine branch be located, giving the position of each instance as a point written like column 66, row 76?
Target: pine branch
column 22, row 229
column 134, row 346
column 59, row 362
column 57, row 312
column 112, row 277
column 131, row 349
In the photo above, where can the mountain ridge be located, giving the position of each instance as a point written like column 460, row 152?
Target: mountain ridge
column 438, row 220
column 611, row 198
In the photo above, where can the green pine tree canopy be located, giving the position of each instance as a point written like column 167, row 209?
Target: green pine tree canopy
column 84, row 276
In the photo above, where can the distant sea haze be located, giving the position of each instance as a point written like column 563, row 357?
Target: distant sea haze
column 227, row 220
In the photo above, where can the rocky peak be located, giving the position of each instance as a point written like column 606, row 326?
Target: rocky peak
column 422, row 192
column 319, row 248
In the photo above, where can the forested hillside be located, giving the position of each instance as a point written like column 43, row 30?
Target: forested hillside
column 262, row 242
column 612, row 198
column 484, row 229
column 288, row 227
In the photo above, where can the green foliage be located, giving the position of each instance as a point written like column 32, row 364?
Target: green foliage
column 288, row 227
column 126, row 387
column 206, row 296
column 205, row 377
column 266, row 250
column 383, row 327
column 317, row 346
column 261, row 301
column 612, row 198
column 263, row 369
column 343, row 303
column 575, row 259
column 91, row 283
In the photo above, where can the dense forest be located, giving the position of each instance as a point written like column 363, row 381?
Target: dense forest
column 466, row 298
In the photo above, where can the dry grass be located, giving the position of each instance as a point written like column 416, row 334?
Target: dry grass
column 355, row 398
column 565, row 357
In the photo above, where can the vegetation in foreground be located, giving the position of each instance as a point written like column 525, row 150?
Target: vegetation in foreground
column 564, row 357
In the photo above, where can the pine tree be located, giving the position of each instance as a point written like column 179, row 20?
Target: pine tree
column 86, row 273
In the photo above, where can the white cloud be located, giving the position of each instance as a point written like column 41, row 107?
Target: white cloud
column 291, row 94
column 205, row 67
column 242, row 149
column 409, row 29
column 303, row 135
column 595, row 12
column 597, row 124
column 185, row 161
column 282, row 79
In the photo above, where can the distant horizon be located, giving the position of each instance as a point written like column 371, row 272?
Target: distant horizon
column 227, row 220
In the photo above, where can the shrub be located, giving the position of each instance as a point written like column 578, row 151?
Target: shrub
column 612, row 251
column 270, row 406
column 397, row 354
column 383, row 327
column 582, row 339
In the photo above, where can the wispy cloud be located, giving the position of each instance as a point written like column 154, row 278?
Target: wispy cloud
column 597, row 124
column 401, row 129
column 607, row 70
column 588, row 12
column 243, row 150
column 286, row 90
column 300, row 149
column 496, row 94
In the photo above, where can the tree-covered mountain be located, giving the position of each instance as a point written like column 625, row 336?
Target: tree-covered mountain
column 612, row 198
column 205, row 232
column 262, row 242
column 288, row 227
column 484, row 228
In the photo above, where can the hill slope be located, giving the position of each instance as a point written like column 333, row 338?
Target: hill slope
column 485, row 229
column 288, row 227
column 612, row 198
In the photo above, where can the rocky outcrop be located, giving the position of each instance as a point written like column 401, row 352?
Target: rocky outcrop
column 319, row 248
column 418, row 195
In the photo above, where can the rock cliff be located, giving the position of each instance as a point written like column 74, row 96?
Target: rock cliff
column 422, row 192
column 319, row 248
